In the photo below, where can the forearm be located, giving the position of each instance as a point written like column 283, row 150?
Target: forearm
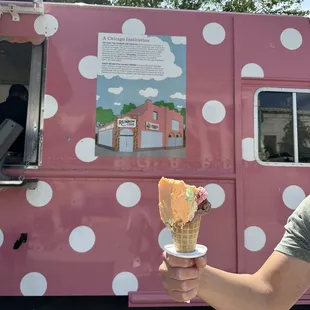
column 227, row 291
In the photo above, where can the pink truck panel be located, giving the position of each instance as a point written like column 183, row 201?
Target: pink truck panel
column 93, row 224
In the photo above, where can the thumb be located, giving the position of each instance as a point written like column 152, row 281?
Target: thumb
column 201, row 262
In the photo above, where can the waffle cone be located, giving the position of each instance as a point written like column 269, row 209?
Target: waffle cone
column 185, row 238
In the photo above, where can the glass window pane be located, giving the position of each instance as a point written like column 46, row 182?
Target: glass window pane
column 303, row 121
column 275, row 125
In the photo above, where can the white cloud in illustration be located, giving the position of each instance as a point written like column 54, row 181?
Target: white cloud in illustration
column 117, row 103
column 180, row 106
column 178, row 40
column 148, row 92
column 178, row 95
column 164, row 64
column 115, row 90
column 98, row 97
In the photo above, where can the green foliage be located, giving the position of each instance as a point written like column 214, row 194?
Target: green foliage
column 99, row 2
column 183, row 112
column 127, row 108
column 169, row 105
column 288, row 7
column 104, row 116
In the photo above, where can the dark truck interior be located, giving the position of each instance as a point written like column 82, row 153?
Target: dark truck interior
column 15, row 64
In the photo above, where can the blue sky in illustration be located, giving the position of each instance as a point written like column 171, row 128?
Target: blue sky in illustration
column 131, row 88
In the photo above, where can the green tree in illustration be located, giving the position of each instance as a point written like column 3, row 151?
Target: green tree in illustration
column 288, row 7
column 104, row 116
column 127, row 108
column 287, row 146
column 169, row 105
column 183, row 113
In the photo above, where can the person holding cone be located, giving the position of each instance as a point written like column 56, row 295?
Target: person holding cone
column 277, row 285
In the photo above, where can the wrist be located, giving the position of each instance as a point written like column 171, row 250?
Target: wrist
column 202, row 282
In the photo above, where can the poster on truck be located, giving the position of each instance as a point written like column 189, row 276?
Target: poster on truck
column 141, row 99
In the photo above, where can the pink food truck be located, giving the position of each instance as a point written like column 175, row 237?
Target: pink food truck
column 98, row 103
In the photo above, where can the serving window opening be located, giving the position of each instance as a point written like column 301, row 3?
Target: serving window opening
column 283, row 119
column 21, row 91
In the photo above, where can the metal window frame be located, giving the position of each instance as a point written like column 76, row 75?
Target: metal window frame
column 13, row 8
column 294, row 92
column 33, row 147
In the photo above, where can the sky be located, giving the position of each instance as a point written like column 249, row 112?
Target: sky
column 306, row 5
column 131, row 88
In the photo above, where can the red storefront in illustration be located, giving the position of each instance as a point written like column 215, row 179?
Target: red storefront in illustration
column 147, row 127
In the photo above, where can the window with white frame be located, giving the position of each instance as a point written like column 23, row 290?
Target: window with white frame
column 283, row 123
column 155, row 116
column 175, row 125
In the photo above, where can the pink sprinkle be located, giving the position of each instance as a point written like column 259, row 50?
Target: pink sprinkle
column 202, row 195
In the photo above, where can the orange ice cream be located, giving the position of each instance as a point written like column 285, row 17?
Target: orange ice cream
column 177, row 202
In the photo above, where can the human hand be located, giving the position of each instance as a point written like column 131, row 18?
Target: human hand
column 181, row 276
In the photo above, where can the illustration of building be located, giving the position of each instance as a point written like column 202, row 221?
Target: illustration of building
column 148, row 127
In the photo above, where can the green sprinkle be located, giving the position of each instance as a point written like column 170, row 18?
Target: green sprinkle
column 190, row 196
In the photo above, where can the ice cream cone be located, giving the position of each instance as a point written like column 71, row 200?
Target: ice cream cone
column 185, row 238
